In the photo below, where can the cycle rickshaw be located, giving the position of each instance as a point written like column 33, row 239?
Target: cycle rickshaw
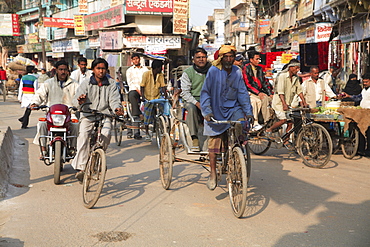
column 235, row 162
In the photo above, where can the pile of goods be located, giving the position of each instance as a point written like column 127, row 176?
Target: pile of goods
column 16, row 68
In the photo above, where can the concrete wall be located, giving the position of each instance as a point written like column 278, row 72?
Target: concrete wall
column 6, row 158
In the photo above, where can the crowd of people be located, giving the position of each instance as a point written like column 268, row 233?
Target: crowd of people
column 226, row 89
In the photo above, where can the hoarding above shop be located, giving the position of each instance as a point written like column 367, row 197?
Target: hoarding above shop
column 149, row 7
column 58, row 22
column 111, row 40
column 180, row 16
column 171, row 42
column 105, row 18
column 9, row 25
column 65, row 46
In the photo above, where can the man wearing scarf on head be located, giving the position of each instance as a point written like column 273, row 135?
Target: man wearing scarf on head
column 224, row 97
column 287, row 86
column 192, row 81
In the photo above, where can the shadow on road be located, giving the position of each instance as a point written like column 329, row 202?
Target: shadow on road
column 341, row 224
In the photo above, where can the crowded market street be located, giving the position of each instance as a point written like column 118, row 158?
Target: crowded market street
column 289, row 204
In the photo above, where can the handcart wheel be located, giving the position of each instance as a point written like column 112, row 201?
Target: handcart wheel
column 350, row 141
column 166, row 160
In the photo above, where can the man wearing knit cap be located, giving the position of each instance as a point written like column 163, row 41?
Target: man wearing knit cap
column 224, row 97
column 287, row 87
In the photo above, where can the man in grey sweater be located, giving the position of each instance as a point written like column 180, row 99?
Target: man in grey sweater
column 102, row 93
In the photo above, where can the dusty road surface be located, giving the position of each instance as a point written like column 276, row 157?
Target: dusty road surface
column 289, row 203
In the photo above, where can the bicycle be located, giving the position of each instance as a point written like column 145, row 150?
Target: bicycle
column 96, row 167
column 310, row 140
column 235, row 162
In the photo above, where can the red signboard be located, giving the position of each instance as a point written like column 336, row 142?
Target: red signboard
column 15, row 22
column 145, row 7
column 105, row 18
column 58, row 22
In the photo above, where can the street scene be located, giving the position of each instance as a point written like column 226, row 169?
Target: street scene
column 184, row 123
column 289, row 204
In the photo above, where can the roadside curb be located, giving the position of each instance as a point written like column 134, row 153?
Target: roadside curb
column 6, row 157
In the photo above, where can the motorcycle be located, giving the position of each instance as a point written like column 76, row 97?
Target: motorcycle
column 59, row 138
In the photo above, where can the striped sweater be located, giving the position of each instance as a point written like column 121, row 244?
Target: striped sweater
column 28, row 84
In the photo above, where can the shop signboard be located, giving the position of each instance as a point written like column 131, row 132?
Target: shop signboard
column 346, row 32
column 66, row 46
column 30, row 17
column 323, row 31
column 83, row 7
column 155, row 49
column 295, row 42
column 79, row 25
column 305, row 9
column 9, row 25
column 180, row 16
column 149, row 7
column 60, row 33
column 58, row 22
column 310, row 34
column 94, row 42
column 32, row 38
column 264, row 26
column 111, row 40
column 58, row 55
column 302, row 36
column 171, row 42
column 105, row 18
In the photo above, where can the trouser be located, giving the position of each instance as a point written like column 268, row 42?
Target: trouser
column 192, row 118
column 134, row 99
column 26, row 117
column 42, row 130
column 260, row 106
column 83, row 141
column 364, row 142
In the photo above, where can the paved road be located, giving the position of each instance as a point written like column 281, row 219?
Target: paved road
column 289, row 203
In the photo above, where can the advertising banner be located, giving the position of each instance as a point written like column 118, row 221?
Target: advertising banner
column 9, row 25
column 66, row 46
column 79, row 25
column 149, row 7
column 323, row 31
column 111, row 40
column 347, row 32
column 170, row 42
column 264, row 26
column 83, row 7
column 105, row 18
column 32, row 38
column 58, row 22
column 60, row 33
column 180, row 16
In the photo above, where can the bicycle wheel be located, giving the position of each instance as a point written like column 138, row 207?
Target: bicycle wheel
column 314, row 145
column 57, row 161
column 94, row 177
column 117, row 126
column 166, row 161
column 258, row 144
column 237, row 179
column 350, row 142
column 160, row 129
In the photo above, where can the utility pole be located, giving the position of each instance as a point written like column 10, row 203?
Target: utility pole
column 41, row 24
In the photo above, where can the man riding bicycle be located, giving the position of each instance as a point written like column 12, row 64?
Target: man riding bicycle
column 102, row 94
column 224, row 97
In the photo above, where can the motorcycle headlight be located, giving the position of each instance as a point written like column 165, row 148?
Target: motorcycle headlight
column 58, row 120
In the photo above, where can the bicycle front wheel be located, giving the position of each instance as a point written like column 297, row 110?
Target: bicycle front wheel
column 350, row 142
column 314, row 145
column 117, row 126
column 166, row 161
column 160, row 129
column 258, row 144
column 94, row 177
column 237, row 179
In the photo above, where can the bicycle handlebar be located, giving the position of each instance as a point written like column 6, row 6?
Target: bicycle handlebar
column 300, row 109
column 227, row 121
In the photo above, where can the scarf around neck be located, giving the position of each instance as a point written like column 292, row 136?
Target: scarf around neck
column 203, row 70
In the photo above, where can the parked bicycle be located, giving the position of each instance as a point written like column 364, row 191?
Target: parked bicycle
column 311, row 140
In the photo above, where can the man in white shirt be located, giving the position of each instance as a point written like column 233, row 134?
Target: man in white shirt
column 133, row 76
column 79, row 75
column 315, row 89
